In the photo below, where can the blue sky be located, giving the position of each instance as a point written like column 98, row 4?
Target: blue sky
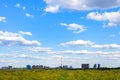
column 42, row 31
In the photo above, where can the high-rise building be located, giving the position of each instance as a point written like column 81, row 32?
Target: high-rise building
column 98, row 66
column 85, row 66
column 95, row 66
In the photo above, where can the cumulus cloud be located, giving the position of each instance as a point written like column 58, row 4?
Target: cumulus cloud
column 80, row 4
column 107, row 46
column 113, row 18
column 2, row 19
column 40, row 49
column 23, row 7
column 86, row 52
column 57, row 54
column 25, row 56
column 59, row 57
column 110, row 54
column 17, row 5
column 112, row 35
column 71, row 52
column 29, row 15
column 77, row 43
column 89, row 43
column 75, row 27
column 52, row 9
column 5, row 6
column 25, row 33
column 16, row 39
column 8, row 62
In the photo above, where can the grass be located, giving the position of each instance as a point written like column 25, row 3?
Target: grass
column 59, row 74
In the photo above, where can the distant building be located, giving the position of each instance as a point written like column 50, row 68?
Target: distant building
column 46, row 67
column 98, row 66
column 71, row 67
column 60, row 67
column 28, row 66
column 85, row 66
column 37, row 67
column 65, row 67
column 7, row 68
column 95, row 66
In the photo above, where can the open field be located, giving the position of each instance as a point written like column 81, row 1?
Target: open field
column 59, row 74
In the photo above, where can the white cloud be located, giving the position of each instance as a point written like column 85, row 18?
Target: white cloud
column 59, row 57
column 24, row 8
column 77, row 43
column 52, row 9
column 59, row 54
column 107, row 46
column 119, row 33
column 71, row 52
column 17, row 5
column 6, row 6
column 14, row 39
column 110, row 54
column 91, row 44
column 115, row 54
column 112, row 35
column 81, row 4
column 75, row 27
column 113, row 18
column 40, row 49
column 25, row 33
column 29, row 15
column 25, row 56
column 2, row 19
column 8, row 62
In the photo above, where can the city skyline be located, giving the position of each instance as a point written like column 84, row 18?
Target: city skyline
column 42, row 31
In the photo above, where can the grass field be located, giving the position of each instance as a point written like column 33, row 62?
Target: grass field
column 59, row 74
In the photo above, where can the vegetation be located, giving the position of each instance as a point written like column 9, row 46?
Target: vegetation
column 59, row 74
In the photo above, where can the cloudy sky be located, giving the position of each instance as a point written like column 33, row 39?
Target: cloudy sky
column 42, row 31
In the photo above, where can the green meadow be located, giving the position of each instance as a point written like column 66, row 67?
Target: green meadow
column 59, row 74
